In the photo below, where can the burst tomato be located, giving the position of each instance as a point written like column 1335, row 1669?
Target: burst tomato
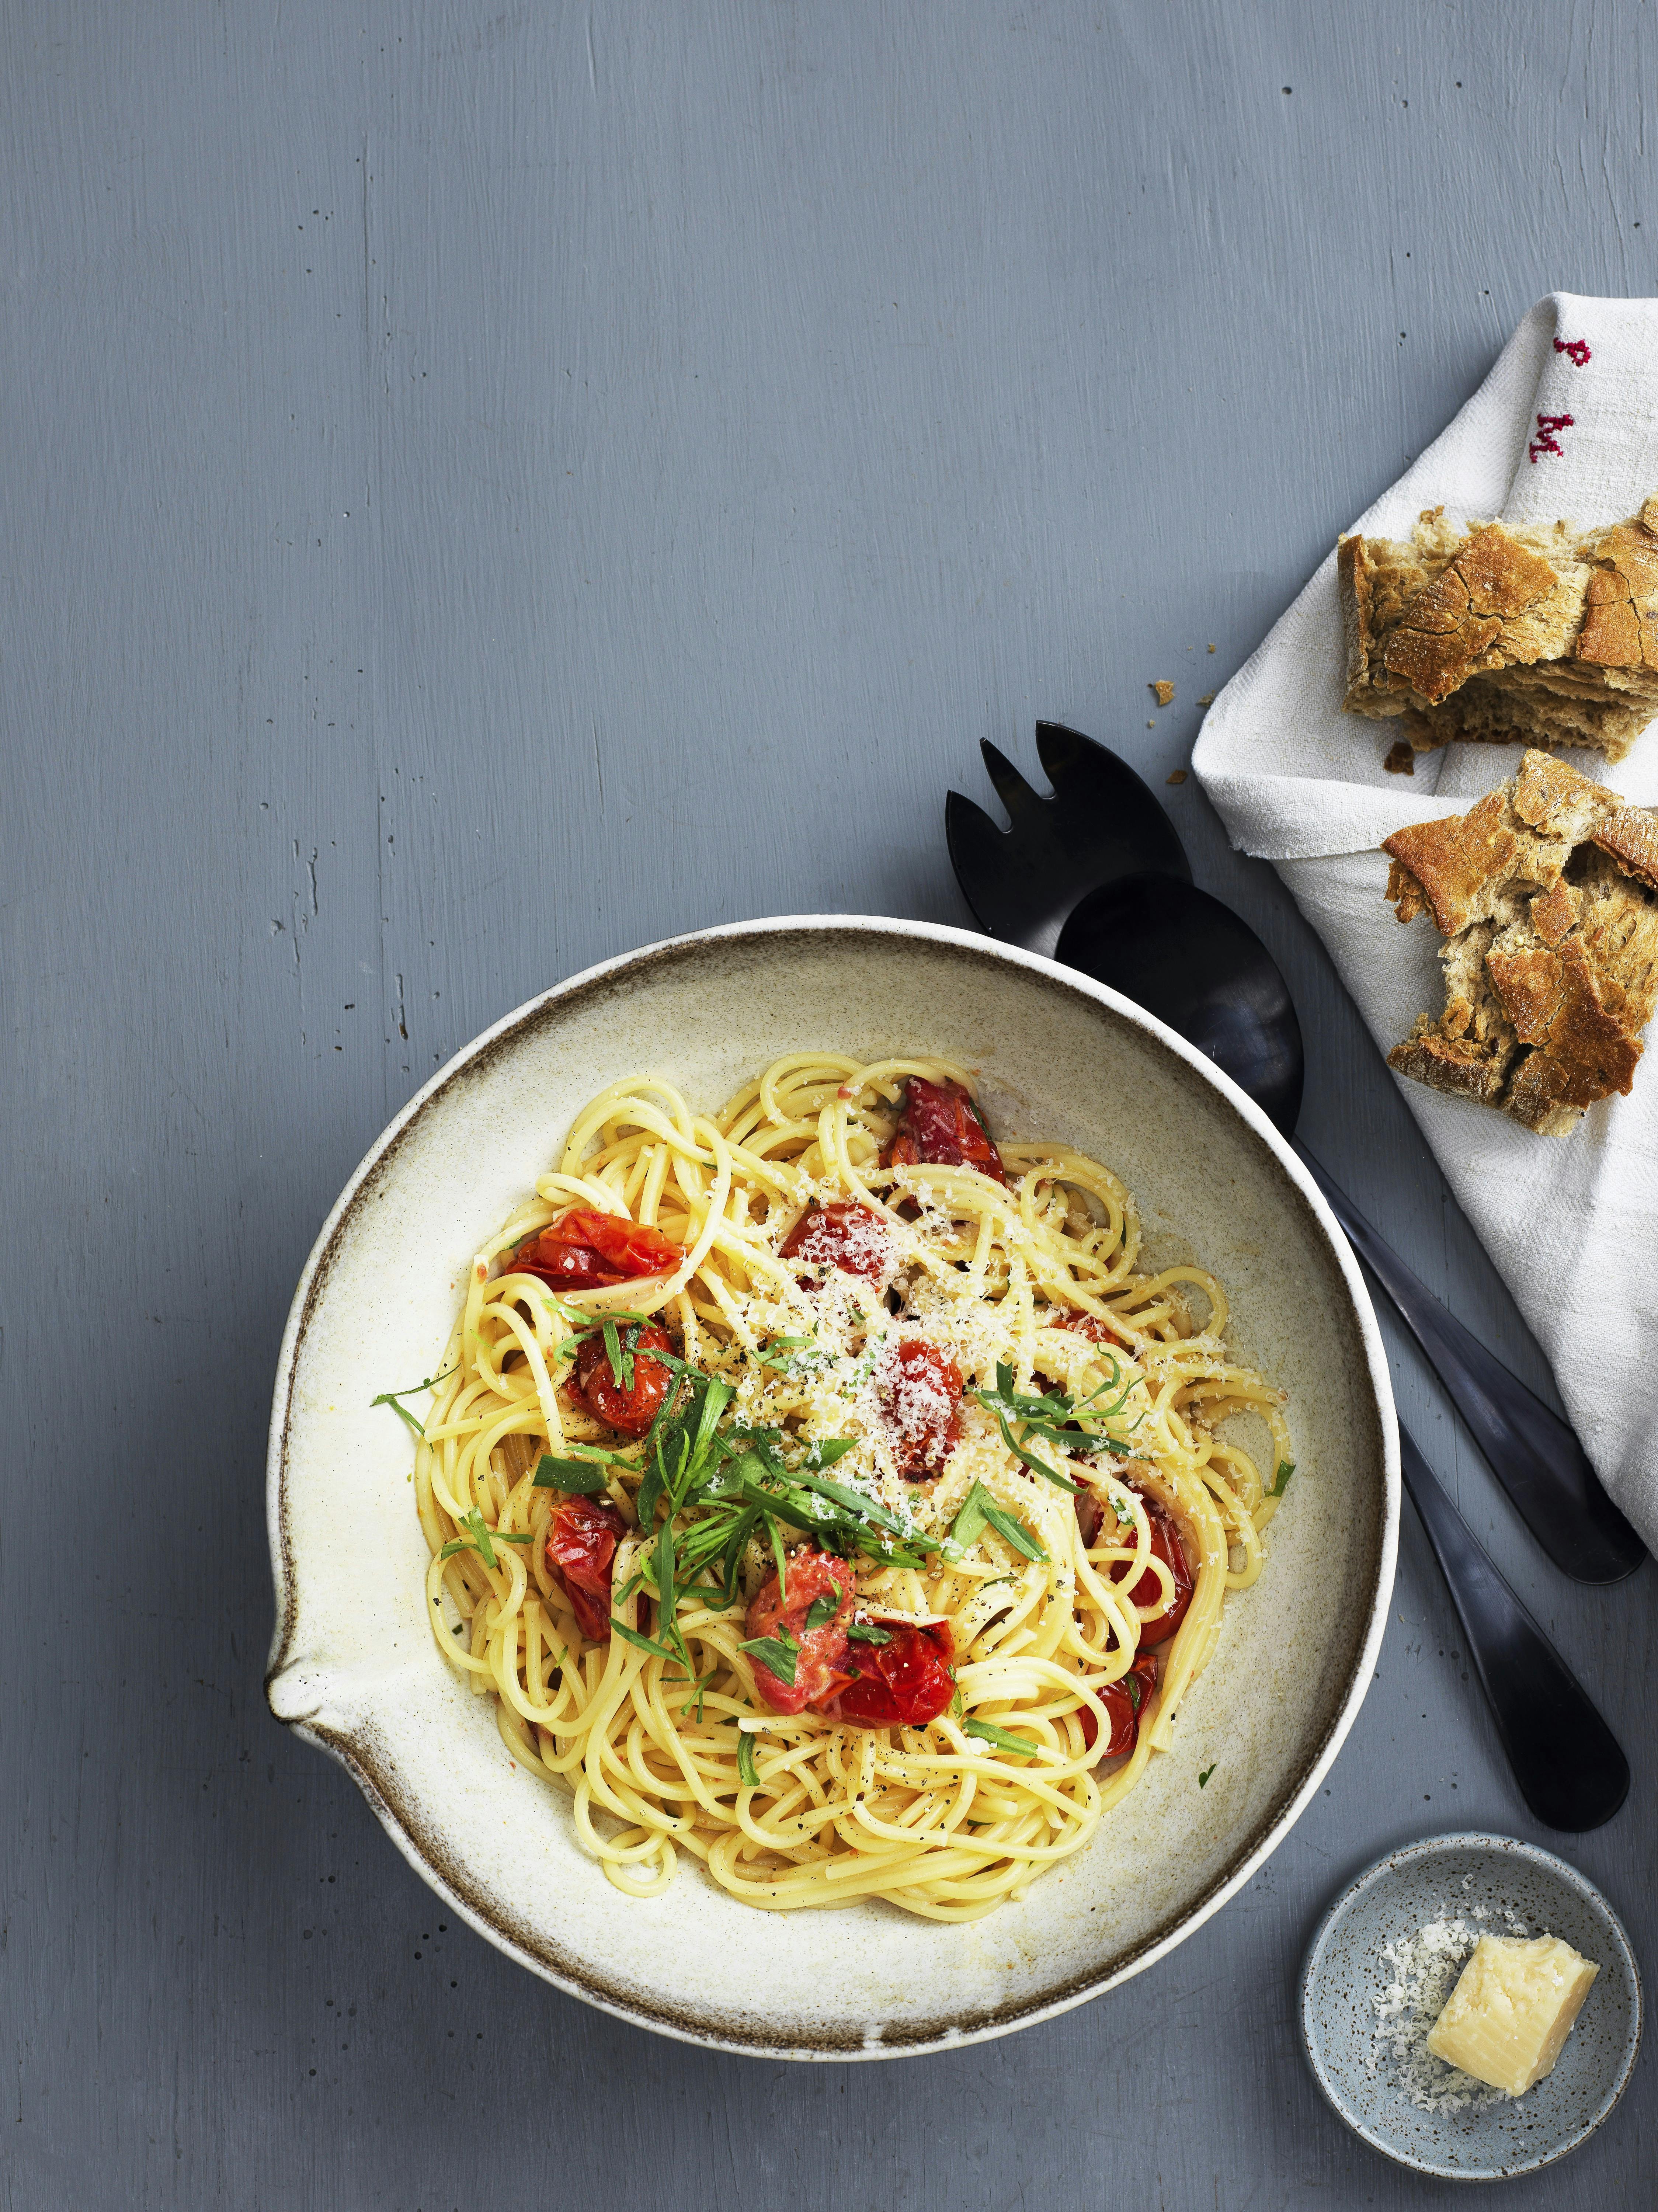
column 632, row 1406
column 817, row 1670
column 1124, row 1705
column 920, row 1388
column 840, row 1235
column 1148, row 1590
column 584, row 1251
column 938, row 1123
column 903, row 1683
column 1090, row 1326
column 581, row 1541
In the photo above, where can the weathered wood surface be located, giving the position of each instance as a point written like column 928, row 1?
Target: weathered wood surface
column 489, row 488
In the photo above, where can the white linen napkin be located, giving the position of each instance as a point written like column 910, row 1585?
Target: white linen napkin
column 1565, row 425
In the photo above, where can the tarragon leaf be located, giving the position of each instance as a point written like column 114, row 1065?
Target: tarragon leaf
column 743, row 1527
column 620, row 1355
column 826, row 1451
column 866, row 1508
column 974, row 1726
column 777, row 1654
column 980, row 1510
column 989, row 1399
column 584, row 1477
column 391, row 1398
column 642, row 1643
column 480, row 1537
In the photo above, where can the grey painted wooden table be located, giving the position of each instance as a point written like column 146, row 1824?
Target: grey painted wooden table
column 488, row 487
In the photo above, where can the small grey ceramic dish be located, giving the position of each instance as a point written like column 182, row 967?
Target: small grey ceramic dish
column 1494, row 1885
column 353, row 1666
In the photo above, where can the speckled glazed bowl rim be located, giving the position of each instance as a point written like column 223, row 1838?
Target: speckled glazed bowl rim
column 414, row 1835
column 1392, row 1862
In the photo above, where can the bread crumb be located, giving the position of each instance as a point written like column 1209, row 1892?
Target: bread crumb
column 1212, row 648
column 1150, row 726
column 1179, row 777
column 1401, row 760
column 1206, row 698
column 1165, row 692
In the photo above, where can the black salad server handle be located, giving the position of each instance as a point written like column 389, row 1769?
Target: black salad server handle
column 1566, row 1760
column 1536, row 1456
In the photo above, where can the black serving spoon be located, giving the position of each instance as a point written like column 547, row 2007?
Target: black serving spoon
column 1184, row 949
column 1198, row 967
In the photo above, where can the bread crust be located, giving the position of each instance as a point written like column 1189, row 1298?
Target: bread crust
column 1544, row 893
column 1549, row 635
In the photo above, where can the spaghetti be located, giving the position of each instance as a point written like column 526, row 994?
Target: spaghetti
column 809, row 1485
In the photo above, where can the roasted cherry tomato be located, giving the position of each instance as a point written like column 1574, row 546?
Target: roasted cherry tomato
column 939, row 1123
column 581, row 1541
column 920, row 1393
column 631, row 1407
column 1125, row 1701
column 584, row 1251
column 1090, row 1326
column 903, row 1683
column 840, row 1235
column 1148, row 1590
column 817, row 1669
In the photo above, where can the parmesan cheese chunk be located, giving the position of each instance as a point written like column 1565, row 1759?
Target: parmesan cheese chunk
column 1507, row 2018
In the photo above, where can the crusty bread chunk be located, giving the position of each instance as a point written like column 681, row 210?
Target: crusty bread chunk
column 1548, row 634
column 1547, row 893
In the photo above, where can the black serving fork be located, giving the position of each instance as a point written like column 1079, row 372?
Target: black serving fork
column 1103, row 824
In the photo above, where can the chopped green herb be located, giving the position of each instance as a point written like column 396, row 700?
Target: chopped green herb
column 747, row 1771
column 794, row 1355
column 662, row 1573
column 777, row 1553
column 620, row 1354
column 641, row 1643
column 865, row 1632
column 699, row 1688
column 974, row 1726
column 826, row 1451
column 1051, row 1416
column 391, row 1398
column 1203, row 1777
column 584, row 1478
column 480, row 1539
column 823, row 1609
column 777, row 1654
column 856, row 1502
column 1280, row 1482
column 980, row 1510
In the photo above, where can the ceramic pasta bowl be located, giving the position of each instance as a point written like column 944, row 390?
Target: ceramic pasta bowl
column 354, row 1667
